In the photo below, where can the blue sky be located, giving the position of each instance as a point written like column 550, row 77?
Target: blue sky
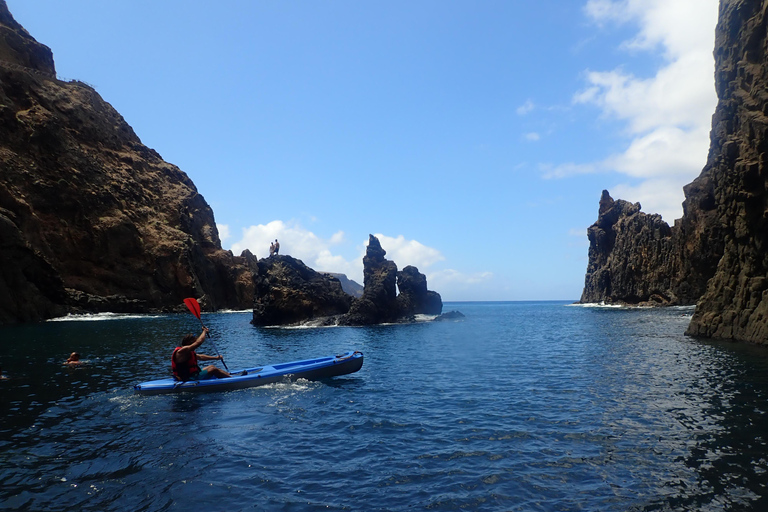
column 474, row 138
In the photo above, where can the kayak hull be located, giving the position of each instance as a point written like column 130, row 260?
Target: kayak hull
column 308, row 369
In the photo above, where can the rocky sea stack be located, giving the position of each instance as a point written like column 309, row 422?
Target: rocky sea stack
column 717, row 255
column 90, row 218
column 289, row 292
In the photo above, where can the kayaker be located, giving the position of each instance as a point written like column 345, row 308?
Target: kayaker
column 184, row 360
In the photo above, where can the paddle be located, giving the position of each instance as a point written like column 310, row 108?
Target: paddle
column 194, row 308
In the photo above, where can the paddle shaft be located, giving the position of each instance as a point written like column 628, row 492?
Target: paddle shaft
column 194, row 308
column 214, row 346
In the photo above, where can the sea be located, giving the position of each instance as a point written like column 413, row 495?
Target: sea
column 517, row 406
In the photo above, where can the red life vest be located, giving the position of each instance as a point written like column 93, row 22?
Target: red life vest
column 187, row 369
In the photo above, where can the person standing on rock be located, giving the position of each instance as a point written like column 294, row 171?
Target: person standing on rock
column 277, row 246
column 271, row 249
column 184, row 360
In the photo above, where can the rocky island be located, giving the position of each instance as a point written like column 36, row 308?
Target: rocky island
column 289, row 292
column 716, row 255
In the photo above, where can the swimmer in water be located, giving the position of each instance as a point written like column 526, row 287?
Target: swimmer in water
column 74, row 359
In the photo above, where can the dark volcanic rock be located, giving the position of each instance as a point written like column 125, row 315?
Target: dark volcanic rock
column 450, row 316
column 19, row 48
column 92, row 219
column 379, row 301
column 717, row 254
column 348, row 285
column 414, row 298
column 288, row 292
column 632, row 257
column 734, row 191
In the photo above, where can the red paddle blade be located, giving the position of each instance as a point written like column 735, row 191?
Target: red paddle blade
column 193, row 306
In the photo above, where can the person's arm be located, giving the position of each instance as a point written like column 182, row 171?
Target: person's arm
column 200, row 339
column 205, row 357
column 183, row 353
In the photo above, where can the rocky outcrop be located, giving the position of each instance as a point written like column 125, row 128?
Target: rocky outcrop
column 91, row 219
column 17, row 47
column 380, row 302
column 348, row 285
column 450, row 316
column 633, row 257
column 414, row 298
column 289, row 292
column 717, row 254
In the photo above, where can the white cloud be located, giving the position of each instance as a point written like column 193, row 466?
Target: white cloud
column 409, row 252
column 223, row 232
column 568, row 169
column 532, row 136
column 318, row 253
column 299, row 243
column 525, row 108
column 657, row 195
column 668, row 115
column 454, row 285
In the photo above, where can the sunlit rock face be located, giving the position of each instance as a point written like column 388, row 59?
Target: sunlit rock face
column 90, row 218
column 636, row 258
column 289, row 292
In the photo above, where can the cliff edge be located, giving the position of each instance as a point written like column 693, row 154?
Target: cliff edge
column 90, row 218
column 735, row 303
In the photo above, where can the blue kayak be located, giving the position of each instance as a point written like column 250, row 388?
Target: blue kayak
column 309, row 369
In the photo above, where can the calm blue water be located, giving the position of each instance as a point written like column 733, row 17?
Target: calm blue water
column 521, row 406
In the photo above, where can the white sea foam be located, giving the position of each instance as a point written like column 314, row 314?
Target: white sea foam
column 628, row 306
column 97, row 317
column 595, row 305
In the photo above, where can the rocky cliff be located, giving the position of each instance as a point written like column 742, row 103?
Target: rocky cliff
column 289, row 292
column 735, row 179
column 717, row 254
column 414, row 298
column 90, row 218
column 632, row 256
column 636, row 258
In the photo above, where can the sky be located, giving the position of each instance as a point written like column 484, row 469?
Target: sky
column 473, row 138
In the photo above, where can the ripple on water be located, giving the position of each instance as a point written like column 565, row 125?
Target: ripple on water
column 519, row 407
